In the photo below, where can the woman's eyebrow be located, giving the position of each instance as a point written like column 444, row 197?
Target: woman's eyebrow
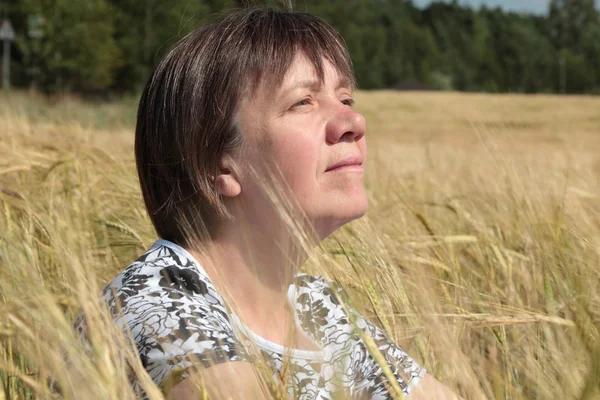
column 344, row 83
column 314, row 84
column 305, row 84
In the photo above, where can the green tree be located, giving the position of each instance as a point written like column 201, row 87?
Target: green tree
column 531, row 63
column 411, row 49
column 569, row 24
column 112, row 45
column 568, row 20
column 454, row 29
column 76, row 50
column 590, row 47
column 146, row 30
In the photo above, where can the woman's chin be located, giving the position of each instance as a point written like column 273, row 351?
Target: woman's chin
column 336, row 218
column 352, row 209
column 357, row 213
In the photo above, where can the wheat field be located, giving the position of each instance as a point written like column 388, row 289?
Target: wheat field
column 480, row 253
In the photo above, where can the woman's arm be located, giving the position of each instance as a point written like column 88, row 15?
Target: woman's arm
column 232, row 380
column 425, row 388
column 431, row 389
column 237, row 380
column 413, row 379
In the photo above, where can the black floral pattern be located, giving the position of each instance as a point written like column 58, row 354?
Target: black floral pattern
column 177, row 318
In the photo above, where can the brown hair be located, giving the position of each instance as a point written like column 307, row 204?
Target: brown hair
column 185, row 120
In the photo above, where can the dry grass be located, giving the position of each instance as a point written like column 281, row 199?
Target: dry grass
column 480, row 253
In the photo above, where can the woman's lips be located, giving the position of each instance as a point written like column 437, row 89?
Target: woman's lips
column 352, row 163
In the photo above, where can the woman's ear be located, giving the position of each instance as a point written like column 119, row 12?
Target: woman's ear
column 227, row 180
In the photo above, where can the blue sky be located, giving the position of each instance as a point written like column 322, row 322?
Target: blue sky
column 536, row 6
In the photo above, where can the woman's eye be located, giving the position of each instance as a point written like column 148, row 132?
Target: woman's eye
column 303, row 102
column 348, row 102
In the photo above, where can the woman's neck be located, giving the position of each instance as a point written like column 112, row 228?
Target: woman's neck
column 253, row 270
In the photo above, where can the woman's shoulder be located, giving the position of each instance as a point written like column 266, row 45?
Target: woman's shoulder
column 322, row 310
column 316, row 282
column 319, row 285
column 166, row 301
column 163, row 274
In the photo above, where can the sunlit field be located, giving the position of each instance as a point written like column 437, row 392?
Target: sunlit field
column 480, row 253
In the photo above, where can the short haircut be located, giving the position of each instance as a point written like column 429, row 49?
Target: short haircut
column 186, row 115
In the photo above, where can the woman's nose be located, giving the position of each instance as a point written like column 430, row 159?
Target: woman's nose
column 346, row 125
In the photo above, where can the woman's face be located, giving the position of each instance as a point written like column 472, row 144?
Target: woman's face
column 311, row 132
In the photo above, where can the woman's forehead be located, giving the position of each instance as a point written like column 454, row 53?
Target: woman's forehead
column 302, row 73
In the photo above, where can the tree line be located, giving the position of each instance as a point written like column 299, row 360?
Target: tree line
column 110, row 46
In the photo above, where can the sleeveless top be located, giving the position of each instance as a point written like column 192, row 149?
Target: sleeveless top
column 177, row 318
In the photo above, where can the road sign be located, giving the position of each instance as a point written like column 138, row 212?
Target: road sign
column 6, row 30
column 35, row 26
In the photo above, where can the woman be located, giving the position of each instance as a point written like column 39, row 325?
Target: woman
column 249, row 153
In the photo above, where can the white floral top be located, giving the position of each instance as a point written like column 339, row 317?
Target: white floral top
column 177, row 318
